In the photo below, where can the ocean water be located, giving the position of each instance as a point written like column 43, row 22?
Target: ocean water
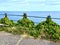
column 53, row 14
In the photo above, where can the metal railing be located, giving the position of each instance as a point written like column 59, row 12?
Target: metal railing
column 27, row 16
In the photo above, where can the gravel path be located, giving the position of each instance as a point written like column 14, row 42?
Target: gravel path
column 29, row 41
column 9, row 39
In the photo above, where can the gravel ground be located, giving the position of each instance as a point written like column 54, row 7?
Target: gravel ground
column 28, row 41
column 9, row 39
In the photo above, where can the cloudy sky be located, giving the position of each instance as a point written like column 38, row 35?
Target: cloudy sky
column 29, row 5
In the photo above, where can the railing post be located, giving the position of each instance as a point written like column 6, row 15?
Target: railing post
column 24, row 15
column 5, row 14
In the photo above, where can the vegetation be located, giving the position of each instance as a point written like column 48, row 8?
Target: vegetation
column 47, row 29
column 25, row 22
column 6, row 21
column 25, row 25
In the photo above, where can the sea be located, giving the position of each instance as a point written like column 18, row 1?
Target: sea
column 14, row 15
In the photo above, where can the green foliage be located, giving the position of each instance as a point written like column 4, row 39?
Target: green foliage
column 6, row 21
column 34, row 33
column 56, row 36
column 1, row 28
column 25, row 22
column 48, row 29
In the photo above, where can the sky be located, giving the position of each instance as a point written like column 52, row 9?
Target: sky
column 29, row 5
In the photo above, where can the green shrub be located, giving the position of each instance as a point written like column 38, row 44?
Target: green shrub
column 6, row 21
column 25, row 22
column 48, row 28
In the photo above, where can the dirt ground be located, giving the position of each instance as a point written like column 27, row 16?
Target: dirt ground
column 10, row 39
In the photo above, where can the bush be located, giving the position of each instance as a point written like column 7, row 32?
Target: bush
column 6, row 21
column 25, row 22
column 48, row 28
